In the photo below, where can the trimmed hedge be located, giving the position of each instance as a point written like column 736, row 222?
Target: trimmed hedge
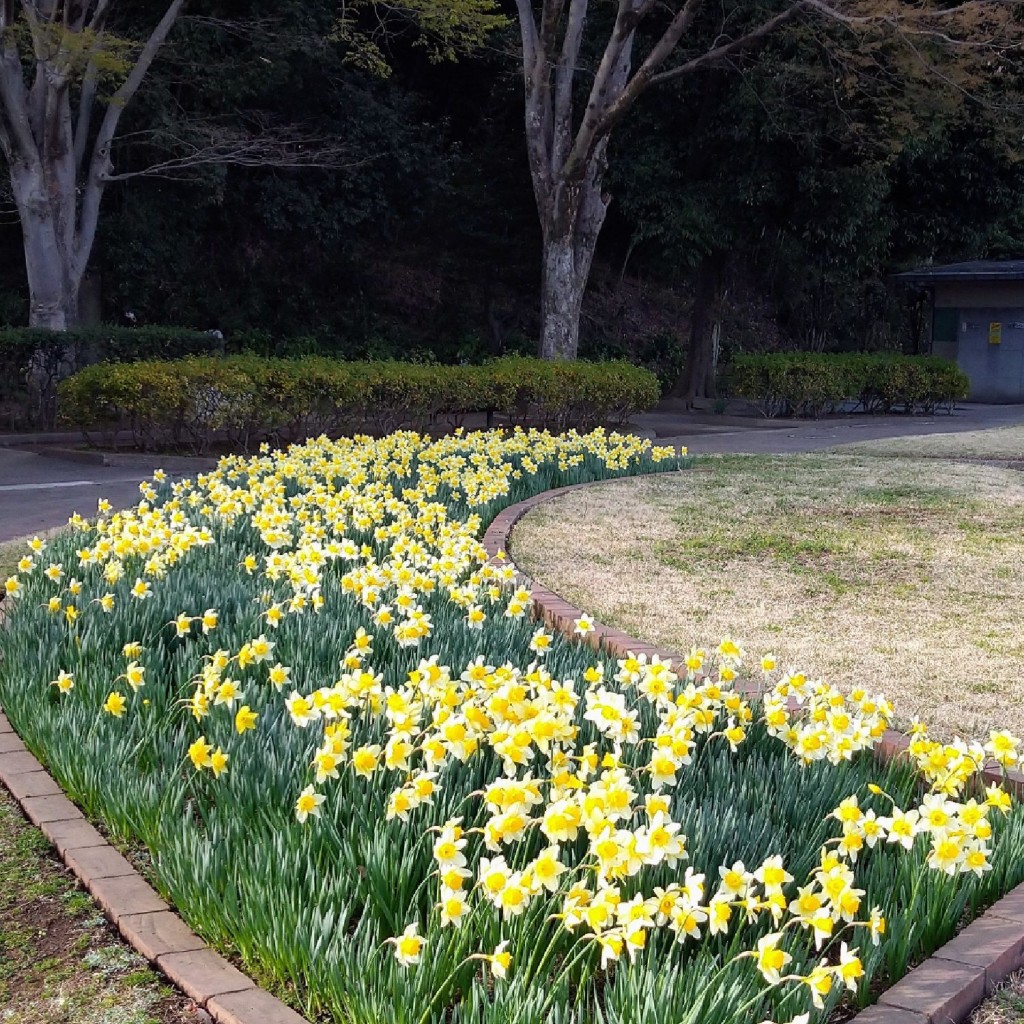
column 246, row 399
column 32, row 361
column 811, row 383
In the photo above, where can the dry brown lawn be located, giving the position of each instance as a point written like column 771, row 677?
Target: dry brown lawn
column 11, row 551
column 1005, row 1005
column 901, row 575
column 1005, row 443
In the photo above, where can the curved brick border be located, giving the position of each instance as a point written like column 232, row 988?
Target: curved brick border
column 948, row 985
column 144, row 920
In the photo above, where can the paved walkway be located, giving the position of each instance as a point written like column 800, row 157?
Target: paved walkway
column 669, row 425
column 39, row 493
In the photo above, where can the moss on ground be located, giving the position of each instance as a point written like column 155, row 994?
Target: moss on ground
column 60, row 961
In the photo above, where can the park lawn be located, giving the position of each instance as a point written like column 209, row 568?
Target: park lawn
column 11, row 551
column 9, row 555
column 1000, row 443
column 60, row 962
column 1005, row 1005
column 898, row 574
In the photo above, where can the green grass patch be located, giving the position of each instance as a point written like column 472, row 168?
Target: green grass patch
column 60, row 963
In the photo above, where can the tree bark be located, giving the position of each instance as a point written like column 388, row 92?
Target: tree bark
column 53, row 275
column 698, row 378
column 568, row 155
column 58, row 166
column 561, row 299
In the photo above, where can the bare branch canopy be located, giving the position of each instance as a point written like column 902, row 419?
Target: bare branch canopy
column 648, row 44
column 66, row 81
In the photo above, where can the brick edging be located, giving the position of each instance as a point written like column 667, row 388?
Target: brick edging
column 142, row 917
column 959, row 975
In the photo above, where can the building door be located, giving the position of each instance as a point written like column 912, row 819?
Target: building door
column 991, row 353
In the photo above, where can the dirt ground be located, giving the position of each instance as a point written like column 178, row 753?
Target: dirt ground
column 60, row 961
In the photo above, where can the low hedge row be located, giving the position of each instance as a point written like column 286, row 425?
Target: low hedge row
column 246, row 399
column 811, row 383
column 32, row 361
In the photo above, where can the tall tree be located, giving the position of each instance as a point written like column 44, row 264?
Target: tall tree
column 69, row 69
column 649, row 43
column 54, row 57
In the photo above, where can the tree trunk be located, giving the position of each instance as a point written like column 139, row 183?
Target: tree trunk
column 561, row 299
column 52, row 284
column 698, row 378
column 571, row 222
column 50, row 262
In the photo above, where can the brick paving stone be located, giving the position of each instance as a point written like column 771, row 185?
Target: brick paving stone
column 203, row 974
column 888, row 1015
column 17, row 763
column 891, row 744
column 32, row 784
column 10, row 742
column 940, row 990
column 1011, row 906
column 989, row 942
column 119, row 897
column 76, row 834
column 253, row 1006
column 5, row 725
column 156, row 934
column 97, row 862
column 49, row 808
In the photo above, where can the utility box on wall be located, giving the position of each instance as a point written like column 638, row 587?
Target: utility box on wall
column 977, row 320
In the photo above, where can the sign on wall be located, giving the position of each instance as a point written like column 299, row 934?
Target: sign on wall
column 995, row 333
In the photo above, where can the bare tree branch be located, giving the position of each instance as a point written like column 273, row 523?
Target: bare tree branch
column 717, row 54
column 99, row 15
column 14, row 102
column 551, row 15
column 87, row 94
column 565, row 73
column 530, row 36
column 99, row 166
column 214, row 145
column 600, row 94
column 86, row 103
column 6, row 145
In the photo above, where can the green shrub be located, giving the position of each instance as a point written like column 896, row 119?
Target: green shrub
column 32, row 361
column 563, row 394
column 812, row 383
column 247, row 398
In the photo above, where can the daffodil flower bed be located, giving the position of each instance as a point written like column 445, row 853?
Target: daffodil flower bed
column 358, row 762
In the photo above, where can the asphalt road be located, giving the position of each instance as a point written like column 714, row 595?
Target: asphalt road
column 772, row 437
column 38, row 493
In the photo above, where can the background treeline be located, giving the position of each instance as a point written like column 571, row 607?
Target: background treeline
column 778, row 195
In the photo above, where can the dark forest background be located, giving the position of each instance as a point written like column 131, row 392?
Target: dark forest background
column 798, row 182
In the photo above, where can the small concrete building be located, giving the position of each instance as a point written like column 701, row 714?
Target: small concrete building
column 977, row 320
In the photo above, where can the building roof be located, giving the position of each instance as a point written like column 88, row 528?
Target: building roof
column 972, row 270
